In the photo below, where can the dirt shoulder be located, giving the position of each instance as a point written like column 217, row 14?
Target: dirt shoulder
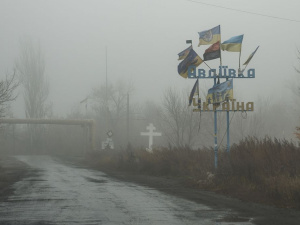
column 258, row 213
column 11, row 171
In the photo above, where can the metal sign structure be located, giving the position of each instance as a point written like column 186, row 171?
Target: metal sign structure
column 226, row 106
column 89, row 123
column 221, row 93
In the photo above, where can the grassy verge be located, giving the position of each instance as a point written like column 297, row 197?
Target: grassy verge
column 264, row 171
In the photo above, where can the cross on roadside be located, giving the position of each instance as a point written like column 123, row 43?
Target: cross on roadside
column 151, row 134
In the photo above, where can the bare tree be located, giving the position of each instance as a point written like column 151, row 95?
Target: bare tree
column 255, row 123
column 296, row 82
column 110, row 106
column 178, row 122
column 7, row 94
column 31, row 68
column 295, row 88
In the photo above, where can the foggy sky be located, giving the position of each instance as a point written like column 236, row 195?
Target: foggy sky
column 143, row 38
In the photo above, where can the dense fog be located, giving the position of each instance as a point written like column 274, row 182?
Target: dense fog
column 116, row 62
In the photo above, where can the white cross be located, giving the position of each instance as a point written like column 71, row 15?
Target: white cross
column 151, row 134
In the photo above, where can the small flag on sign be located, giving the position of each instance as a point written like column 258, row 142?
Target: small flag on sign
column 220, row 92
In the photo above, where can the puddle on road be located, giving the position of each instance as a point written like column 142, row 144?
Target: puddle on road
column 235, row 219
column 95, row 180
column 60, row 194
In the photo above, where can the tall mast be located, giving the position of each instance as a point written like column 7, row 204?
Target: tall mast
column 106, row 75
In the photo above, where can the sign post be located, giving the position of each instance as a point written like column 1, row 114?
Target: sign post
column 224, row 106
column 108, row 143
column 220, row 93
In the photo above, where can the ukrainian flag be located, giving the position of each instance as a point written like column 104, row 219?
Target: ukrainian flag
column 220, row 92
column 211, row 36
column 192, row 59
column 233, row 44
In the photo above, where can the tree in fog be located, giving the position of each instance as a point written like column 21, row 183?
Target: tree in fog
column 256, row 123
column 7, row 92
column 7, row 95
column 295, row 88
column 295, row 85
column 31, row 69
column 110, row 106
column 30, row 66
column 178, row 122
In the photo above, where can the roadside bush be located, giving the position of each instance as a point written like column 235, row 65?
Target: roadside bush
column 261, row 170
column 268, row 168
column 161, row 162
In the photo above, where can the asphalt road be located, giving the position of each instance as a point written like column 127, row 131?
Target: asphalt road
column 56, row 193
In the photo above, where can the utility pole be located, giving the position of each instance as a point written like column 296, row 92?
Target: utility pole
column 106, row 123
column 106, row 76
column 127, row 121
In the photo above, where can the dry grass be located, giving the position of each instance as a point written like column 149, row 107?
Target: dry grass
column 162, row 162
column 266, row 170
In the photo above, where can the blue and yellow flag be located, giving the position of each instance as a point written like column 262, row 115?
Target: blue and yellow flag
column 192, row 59
column 233, row 44
column 211, row 36
column 182, row 55
column 195, row 91
column 220, row 92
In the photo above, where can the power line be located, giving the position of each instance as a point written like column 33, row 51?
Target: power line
column 243, row 11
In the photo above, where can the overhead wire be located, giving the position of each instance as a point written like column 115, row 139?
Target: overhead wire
column 244, row 11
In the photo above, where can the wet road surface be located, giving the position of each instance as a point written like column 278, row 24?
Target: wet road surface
column 55, row 193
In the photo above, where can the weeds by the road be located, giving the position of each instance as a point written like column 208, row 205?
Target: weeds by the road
column 266, row 171
column 262, row 170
